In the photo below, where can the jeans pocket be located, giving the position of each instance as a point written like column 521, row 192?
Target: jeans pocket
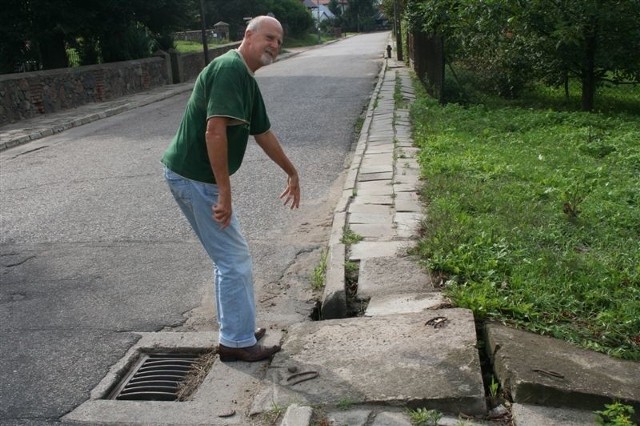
column 170, row 176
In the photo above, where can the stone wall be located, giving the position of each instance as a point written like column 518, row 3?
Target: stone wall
column 30, row 94
column 27, row 95
column 186, row 66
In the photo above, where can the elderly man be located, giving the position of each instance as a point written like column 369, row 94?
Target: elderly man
column 225, row 107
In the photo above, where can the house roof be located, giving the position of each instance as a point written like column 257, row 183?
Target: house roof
column 314, row 3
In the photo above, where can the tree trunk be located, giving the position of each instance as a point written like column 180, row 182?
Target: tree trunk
column 52, row 51
column 589, row 69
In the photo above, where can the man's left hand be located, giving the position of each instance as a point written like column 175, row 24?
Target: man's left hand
column 292, row 192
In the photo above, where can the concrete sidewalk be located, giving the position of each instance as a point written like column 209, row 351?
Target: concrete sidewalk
column 408, row 349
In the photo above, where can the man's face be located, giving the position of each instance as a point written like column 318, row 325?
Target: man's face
column 266, row 42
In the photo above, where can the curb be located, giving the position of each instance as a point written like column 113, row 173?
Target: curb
column 334, row 297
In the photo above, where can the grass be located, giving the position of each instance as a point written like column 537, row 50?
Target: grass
column 349, row 237
column 274, row 413
column 534, row 214
column 424, row 417
column 186, row 46
column 399, row 101
column 615, row 414
column 319, row 272
column 310, row 39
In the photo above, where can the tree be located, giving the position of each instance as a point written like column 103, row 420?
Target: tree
column 515, row 40
column 293, row 16
column 595, row 41
column 102, row 30
column 13, row 25
column 359, row 16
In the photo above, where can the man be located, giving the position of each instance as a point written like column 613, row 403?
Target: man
column 225, row 107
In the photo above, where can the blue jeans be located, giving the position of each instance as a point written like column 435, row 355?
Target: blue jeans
column 232, row 264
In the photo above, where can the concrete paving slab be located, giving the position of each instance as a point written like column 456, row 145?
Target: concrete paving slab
column 380, row 149
column 377, row 159
column 409, row 219
column 402, row 303
column 367, row 177
column 408, row 205
column 367, row 250
column 389, row 418
column 407, row 176
column 545, row 371
column 352, row 417
column 407, row 163
column 375, row 188
column 392, row 275
column 297, row 415
column 407, row 151
column 533, row 415
column 370, row 209
column 377, row 232
column 378, row 168
column 370, row 218
column 415, row 363
column 401, row 182
column 405, row 187
column 373, row 199
column 334, row 297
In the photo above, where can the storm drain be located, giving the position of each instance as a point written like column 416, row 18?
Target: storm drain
column 156, row 377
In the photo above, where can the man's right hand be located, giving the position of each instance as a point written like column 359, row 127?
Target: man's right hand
column 222, row 211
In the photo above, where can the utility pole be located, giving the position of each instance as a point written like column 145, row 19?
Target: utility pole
column 398, row 30
column 205, row 47
column 318, row 4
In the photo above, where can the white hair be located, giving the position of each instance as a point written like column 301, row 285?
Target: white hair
column 255, row 23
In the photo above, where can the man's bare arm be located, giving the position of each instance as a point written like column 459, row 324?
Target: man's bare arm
column 217, row 148
column 271, row 146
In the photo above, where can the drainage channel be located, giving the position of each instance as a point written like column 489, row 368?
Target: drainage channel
column 155, row 377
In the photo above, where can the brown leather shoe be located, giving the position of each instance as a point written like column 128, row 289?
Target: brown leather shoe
column 260, row 332
column 251, row 354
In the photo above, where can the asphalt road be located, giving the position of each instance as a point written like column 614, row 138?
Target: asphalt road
column 93, row 248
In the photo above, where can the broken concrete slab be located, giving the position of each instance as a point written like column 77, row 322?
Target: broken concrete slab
column 297, row 415
column 377, row 232
column 381, row 276
column 533, row 415
column 334, row 296
column 402, row 303
column 369, row 177
column 545, row 371
column 416, row 364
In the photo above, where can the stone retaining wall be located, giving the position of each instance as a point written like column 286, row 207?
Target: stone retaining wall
column 30, row 94
column 27, row 95
column 186, row 66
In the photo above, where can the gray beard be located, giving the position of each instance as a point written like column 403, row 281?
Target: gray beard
column 266, row 59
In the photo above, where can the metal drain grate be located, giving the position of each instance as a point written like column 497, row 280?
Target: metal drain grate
column 156, row 377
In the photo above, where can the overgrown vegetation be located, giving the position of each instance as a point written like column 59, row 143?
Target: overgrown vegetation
column 39, row 34
column 534, row 214
column 510, row 44
column 424, row 417
column 616, row 414
column 320, row 272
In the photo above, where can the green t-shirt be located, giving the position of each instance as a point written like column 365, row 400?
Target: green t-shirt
column 225, row 88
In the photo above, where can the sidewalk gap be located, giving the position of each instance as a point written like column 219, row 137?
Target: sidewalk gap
column 495, row 395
